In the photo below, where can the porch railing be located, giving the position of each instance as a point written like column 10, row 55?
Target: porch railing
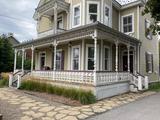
column 84, row 77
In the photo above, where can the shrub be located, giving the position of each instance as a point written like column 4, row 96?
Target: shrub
column 155, row 86
column 85, row 97
column 3, row 82
column 5, row 76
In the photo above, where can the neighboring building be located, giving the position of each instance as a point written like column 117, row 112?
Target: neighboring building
column 77, row 48
column 12, row 39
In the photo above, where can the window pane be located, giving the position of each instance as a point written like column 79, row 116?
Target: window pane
column 125, row 20
column 75, row 64
column 130, row 19
column 77, row 11
column 76, row 21
column 60, row 23
column 90, row 64
column 130, row 28
column 90, row 52
column 75, row 58
column 106, row 11
column 125, row 29
column 106, row 64
column 92, row 8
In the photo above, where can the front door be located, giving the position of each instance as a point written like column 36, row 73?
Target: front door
column 125, row 62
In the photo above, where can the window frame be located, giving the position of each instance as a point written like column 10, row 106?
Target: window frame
column 73, row 18
column 98, row 10
column 73, row 47
column 148, row 21
column 59, row 50
column 41, row 52
column 109, row 58
column 122, row 30
column 86, row 61
column 109, row 24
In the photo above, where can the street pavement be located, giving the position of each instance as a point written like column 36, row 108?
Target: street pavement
column 147, row 108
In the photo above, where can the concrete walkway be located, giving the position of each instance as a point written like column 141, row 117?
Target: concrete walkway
column 15, row 105
column 144, row 109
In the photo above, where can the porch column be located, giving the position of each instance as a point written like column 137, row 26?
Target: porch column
column 135, row 60
column 15, row 60
column 55, row 51
column 83, row 49
column 138, row 58
column 102, row 55
column 23, row 50
column 55, row 18
column 32, row 61
column 116, row 63
column 128, row 50
column 95, row 56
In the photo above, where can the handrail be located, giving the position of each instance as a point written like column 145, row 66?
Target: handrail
column 26, row 73
column 140, row 75
column 16, row 73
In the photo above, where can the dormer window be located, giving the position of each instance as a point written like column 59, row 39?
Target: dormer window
column 76, row 17
column 93, row 15
column 127, row 23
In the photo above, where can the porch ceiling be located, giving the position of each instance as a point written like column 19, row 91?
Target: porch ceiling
column 83, row 32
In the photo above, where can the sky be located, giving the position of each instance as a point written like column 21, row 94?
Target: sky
column 16, row 16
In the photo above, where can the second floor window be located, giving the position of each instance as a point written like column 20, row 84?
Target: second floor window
column 76, row 18
column 93, row 12
column 127, row 24
column 149, row 62
column 60, row 23
column 148, row 32
column 107, row 15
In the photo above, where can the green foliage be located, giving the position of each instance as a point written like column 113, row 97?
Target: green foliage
column 155, row 87
column 153, row 7
column 3, row 83
column 6, row 55
column 76, row 94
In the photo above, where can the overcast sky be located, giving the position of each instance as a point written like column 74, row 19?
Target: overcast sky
column 16, row 17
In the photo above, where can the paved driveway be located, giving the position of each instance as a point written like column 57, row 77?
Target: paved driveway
column 147, row 108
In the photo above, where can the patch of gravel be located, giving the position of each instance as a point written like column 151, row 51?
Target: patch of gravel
column 9, row 112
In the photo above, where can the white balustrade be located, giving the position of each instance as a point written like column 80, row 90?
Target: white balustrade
column 104, row 78
column 67, row 76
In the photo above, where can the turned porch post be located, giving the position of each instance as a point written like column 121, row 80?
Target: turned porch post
column 55, row 18
column 116, row 63
column 15, row 60
column 55, row 51
column 128, row 51
column 95, row 56
column 32, row 61
column 23, row 50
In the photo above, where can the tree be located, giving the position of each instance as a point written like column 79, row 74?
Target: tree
column 153, row 7
column 6, row 55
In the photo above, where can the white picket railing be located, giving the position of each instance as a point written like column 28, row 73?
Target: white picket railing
column 104, row 78
column 84, row 77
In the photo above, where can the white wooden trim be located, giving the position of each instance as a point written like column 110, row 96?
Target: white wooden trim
column 131, row 14
column 98, row 10
column 76, row 46
column 80, row 8
column 86, row 61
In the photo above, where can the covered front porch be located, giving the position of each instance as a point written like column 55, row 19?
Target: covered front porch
column 89, row 54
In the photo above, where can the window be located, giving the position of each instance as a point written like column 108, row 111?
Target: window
column 106, row 58
column 42, row 60
column 59, row 60
column 149, row 62
column 148, row 32
column 60, row 23
column 107, row 16
column 93, row 15
column 76, row 19
column 127, row 22
column 76, row 58
column 90, row 58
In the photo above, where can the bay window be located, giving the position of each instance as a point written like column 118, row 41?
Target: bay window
column 76, row 17
column 93, row 12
